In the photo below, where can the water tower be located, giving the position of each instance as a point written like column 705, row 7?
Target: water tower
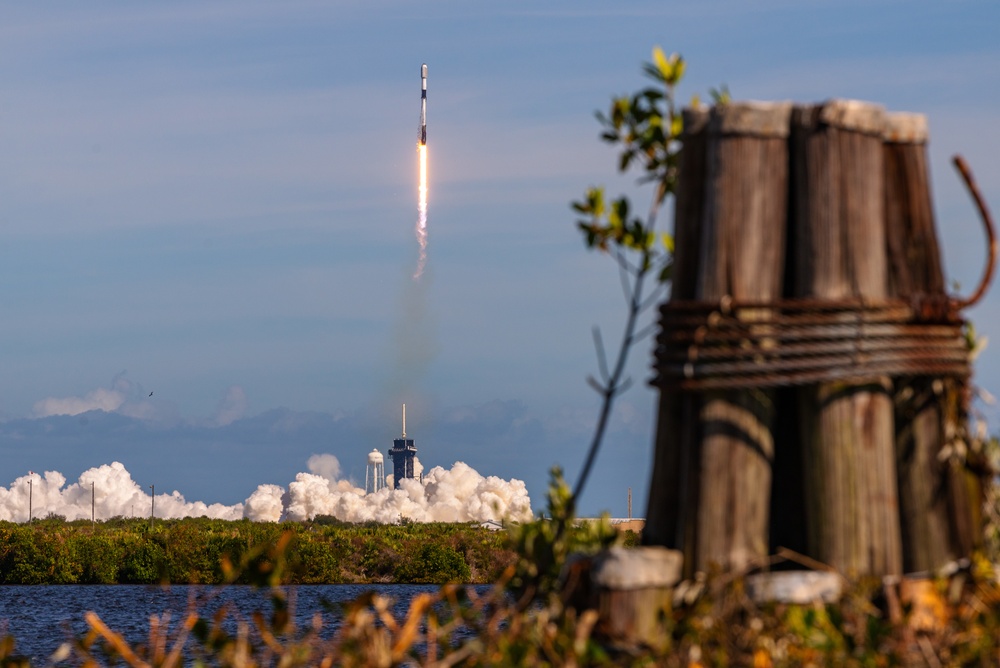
column 375, row 473
column 402, row 453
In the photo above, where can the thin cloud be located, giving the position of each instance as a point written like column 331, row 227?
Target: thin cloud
column 100, row 399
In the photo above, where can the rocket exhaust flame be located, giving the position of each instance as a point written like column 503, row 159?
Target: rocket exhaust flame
column 422, row 211
column 422, row 183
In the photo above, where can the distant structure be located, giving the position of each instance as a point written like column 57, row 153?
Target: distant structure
column 402, row 453
column 375, row 473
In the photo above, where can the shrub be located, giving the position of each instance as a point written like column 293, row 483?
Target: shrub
column 434, row 563
column 144, row 561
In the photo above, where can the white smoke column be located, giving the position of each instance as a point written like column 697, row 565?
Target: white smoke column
column 112, row 490
column 326, row 466
column 421, row 211
column 265, row 504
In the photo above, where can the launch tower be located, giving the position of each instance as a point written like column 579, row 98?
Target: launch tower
column 402, row 454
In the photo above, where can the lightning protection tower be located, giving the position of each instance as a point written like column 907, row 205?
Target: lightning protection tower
column 375, row 473
column 402, row 453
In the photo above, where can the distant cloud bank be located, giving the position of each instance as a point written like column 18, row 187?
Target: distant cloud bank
column 100, row 399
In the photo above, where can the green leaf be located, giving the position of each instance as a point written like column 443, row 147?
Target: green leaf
column 621, row 208
column 721, row 95
column 679, row 66
column 625, row 159
column 667, row 273
column 668, row 241
column 662, row 64
column 676, row 126
column 619, row 110
column 652, row 71
column 595, row 198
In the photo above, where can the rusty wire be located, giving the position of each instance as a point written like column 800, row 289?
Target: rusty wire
column 795, row 342
column 740, row 345
column 991, row 237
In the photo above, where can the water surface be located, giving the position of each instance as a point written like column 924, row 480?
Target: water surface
column 42, row 617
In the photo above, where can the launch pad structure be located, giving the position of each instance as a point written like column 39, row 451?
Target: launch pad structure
column 402, row 453
column 374, row 472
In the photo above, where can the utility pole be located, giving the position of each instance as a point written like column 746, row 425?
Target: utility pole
column 630, row 503
column 29, row 500
column 93, row 503
column 152, row 504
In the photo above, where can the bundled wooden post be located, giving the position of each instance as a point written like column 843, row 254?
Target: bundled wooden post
column 672, row 493
column 742, row 259
column 847, row 428
column 938, row 516
column 807, row 269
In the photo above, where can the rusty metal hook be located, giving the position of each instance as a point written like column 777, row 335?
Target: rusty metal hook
column 991, row 236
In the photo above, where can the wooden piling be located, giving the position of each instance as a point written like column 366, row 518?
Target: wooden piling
column 847, row 428
column 672, row 489
column 915, row 267
column 742, row 258
column 915, row 273
column 813, row 224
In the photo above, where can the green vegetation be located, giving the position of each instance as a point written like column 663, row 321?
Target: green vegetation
column 122, row 551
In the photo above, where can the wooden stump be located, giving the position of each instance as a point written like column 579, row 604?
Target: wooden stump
column 633, row 590
column 847, row 429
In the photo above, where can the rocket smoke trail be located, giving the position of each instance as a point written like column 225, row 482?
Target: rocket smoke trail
column 422, row 184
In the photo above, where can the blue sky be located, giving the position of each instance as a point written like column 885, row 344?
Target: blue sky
column 215, row 201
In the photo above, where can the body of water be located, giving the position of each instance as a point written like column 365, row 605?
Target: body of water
column 42, row 617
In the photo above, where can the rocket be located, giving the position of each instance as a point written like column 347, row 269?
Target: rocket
column 423, row 104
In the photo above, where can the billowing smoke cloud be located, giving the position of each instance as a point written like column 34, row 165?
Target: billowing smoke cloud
column 113, row 491
column 459, row 494
column 325, row 466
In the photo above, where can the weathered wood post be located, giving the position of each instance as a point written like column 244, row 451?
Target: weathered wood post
column 915, row 273
column 672, row 489
column 847, row 427
column 938, row 509
column 808, row 272
column 742, row 259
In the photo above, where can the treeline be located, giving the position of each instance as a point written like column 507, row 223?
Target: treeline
column 197, row 550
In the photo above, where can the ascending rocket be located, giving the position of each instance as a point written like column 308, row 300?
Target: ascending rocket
column 423, row 104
